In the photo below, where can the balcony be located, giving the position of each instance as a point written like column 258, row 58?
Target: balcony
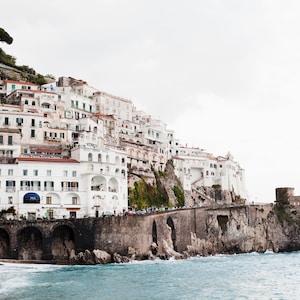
column 69, row 189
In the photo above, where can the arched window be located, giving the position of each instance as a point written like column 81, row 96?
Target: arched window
column 90, row 157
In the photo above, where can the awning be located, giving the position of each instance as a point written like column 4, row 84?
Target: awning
column 31, row 198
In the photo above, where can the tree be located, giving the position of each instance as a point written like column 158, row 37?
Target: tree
column 5, row 37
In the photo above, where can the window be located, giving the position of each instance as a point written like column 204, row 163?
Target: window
column 74, row 200
column 33, row 122
column 35, row 172
column 25, row 172
column 65, row 173
column 6, row 120
column 48, row 172
column 48, row 200
column 10, row 200
column 13, row 87
column 32, row 134
column 19, row 121
column 62, row 135
column 10, row 185
column 74, row 173
column 33, row 103
column 90, row 157
column 10, row 172
column 9, row 140
column 48, row 185
column 1, row 139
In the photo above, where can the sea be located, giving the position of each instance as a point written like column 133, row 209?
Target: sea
column 242, row 276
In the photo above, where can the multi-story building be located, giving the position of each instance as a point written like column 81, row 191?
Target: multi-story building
column 57, row 164
column 65, row 149
column 46, row 183
column 196, row 168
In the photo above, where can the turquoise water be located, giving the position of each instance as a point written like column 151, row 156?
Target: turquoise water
column 244, row 276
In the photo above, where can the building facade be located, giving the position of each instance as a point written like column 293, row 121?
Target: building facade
column 69, row 150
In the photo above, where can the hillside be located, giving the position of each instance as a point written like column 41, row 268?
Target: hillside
column 10, row 70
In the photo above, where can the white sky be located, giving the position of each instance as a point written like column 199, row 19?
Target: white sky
column 223, row 74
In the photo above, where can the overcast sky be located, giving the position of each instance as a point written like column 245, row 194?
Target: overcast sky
column 223, row 74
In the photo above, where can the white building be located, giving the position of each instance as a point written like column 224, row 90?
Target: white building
column 65, row 149
column 197, row 168
column 90, row 183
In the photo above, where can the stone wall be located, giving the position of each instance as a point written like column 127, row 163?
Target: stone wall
column 194, row 231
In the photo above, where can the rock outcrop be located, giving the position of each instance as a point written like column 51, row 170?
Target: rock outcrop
column 238, row 234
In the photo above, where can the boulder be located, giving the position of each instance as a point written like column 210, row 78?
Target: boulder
column 102, row 257
column 117, row 258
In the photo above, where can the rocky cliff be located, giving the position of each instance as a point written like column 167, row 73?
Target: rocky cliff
column 227, row 230
column 253, row 229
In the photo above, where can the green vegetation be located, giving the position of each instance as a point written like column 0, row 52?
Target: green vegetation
column 24, row 72
column 146, row 195
column 282, row 206
column 5, row 37
column 179, row 196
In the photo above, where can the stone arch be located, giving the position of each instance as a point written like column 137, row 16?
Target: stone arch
column 4, row 243
column 62, row 242
column 113, row 185
column 170, row 223
column 72, row 199
column 55, row 198
column 99, row 183
column 30, row 243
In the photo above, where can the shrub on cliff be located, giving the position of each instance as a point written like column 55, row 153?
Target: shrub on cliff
column 146, row 195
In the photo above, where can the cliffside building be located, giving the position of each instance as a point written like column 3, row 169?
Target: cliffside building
column 66, row 149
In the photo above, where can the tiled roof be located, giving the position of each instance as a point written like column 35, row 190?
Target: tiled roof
column 44, row 159
column 39, row 150
column 19, row 82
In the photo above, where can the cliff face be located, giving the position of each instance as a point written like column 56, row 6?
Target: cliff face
column 255, row 228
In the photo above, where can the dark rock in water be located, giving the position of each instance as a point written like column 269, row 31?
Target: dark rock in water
column 117, row 258
column 154, row 248
column 88, row 257
column 164, row 257
column 82, row 258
